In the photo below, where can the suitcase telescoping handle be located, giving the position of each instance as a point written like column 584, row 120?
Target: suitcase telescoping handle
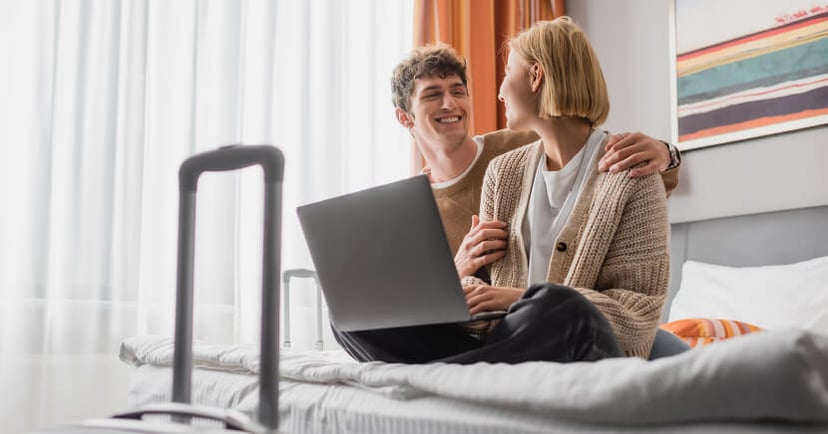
column 231, row 158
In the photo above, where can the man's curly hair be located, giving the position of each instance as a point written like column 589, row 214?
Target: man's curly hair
column 428, row 61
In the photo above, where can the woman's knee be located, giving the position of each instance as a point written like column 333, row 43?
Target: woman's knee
column 560, row 301
column 553, row 293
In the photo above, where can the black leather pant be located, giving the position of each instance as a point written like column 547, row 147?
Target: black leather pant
column 548, row 323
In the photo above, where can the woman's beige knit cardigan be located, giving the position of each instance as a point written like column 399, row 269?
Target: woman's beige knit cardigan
column 614, row 249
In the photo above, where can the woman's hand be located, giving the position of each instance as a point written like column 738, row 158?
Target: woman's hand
column 484, row 244
column 625, row 150
column 485, row 298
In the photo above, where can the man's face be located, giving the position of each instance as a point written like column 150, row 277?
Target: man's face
column 439, row 110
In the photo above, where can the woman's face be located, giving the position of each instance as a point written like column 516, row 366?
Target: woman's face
column 517, row 95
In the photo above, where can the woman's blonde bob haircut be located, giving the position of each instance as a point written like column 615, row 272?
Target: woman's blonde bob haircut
column 573, row 84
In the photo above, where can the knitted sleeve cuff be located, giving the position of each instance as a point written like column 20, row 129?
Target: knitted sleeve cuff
column 472, row 281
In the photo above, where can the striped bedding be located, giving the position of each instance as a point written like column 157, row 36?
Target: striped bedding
column 777, row 375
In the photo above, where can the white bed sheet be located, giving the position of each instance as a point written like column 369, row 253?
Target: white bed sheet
column 733, row 385
column 320, row 409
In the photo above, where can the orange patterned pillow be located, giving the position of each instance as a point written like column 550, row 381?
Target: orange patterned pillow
column 698, row 332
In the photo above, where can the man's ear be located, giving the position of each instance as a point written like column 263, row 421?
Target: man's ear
column 404, row 118
column 535, row 76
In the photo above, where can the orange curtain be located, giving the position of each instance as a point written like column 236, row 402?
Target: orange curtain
column 478, row 29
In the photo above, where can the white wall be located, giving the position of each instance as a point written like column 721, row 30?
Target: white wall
column 778, row 172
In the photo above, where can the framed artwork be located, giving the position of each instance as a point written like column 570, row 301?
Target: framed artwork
column 747, row 68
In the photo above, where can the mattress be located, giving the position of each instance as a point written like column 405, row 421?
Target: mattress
column 767, row 382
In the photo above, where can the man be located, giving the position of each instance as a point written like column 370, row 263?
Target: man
column 431, row 100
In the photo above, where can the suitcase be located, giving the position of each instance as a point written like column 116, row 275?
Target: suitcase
column 301, row 273
column 226, row 158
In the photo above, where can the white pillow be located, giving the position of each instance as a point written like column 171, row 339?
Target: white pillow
column 771, row 297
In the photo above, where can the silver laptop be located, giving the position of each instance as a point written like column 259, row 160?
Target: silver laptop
column 383, row 258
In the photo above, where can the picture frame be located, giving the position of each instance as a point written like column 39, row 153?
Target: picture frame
column 746, row 68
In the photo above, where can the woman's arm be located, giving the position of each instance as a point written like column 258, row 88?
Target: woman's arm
column 480, row 295
column 487, row 201
column 634, row 274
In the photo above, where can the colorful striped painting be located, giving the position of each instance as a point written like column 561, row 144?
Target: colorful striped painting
column 764, row 72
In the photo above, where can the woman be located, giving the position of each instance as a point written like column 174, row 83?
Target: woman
column 594, row 237
column 597, row 242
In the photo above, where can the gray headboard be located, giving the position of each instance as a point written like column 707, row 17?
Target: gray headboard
column 779, row 237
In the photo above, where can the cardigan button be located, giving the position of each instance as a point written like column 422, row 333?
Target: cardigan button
column 561, row 247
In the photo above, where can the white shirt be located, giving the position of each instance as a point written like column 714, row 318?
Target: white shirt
column 551, row 202
column 478, row 140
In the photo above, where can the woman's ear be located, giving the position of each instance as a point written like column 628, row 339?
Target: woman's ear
column 535, row 77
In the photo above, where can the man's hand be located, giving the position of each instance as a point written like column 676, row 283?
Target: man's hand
column 485, row 298
column 625, row 150
column 484, row 244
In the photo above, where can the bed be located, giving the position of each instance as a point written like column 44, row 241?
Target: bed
column 773, row 381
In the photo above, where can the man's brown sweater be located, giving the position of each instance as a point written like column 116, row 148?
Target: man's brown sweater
column 460, row 201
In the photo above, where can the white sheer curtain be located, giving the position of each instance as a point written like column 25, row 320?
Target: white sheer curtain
column 100, row 101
